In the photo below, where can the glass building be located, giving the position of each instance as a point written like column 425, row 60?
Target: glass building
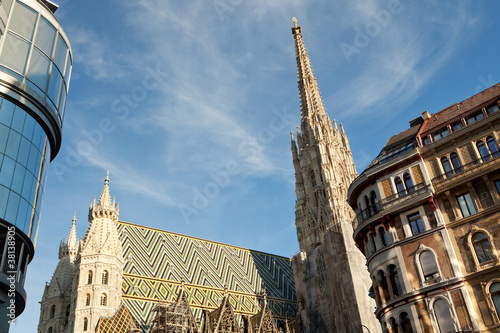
column 35, row 69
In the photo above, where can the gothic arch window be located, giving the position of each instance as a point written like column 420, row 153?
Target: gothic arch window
column 313, row 179
column 395, row 281
column 52, row 311
column 442, row 312
column 482, row 247
column 492, row 146
column 68, row 309
column 427, row 265
column 394, row 325
column 455, row 162
column 372, row 242
column 446, row 166
column 399, row 186
column 383, row 236
column 89, row 277
column 49, row 330
column 367, row 210
column 104, row 300
column 408, row 183
column 374, row 202
column 405, row 323
column 85, row 324
column 495, row 296
column 87, row 300
column 483, row 151
column 105, row 277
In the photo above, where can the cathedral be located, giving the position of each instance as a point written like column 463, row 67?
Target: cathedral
column 125, row 277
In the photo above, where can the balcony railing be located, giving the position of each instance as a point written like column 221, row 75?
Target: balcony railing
column 467, row 169
column 389, row 202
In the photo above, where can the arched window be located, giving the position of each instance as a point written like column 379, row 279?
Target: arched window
column 446, row 166
column 105, row 277
column 408, row 183
column 383, row 236
column 87, row 300
column 405, row 323
column 52, row 311
column 482, row 247
column 367, row 210
column 492, row 145
column 455, row 162
column 89, row 278
column 85, row 324
column 495, row 296
column 399, row 186
column 443, row 316
column 383, row 282
column 313, row 179
column 394, row 325
column 374, row 202
column 429, row 265
column 50, row 330
column 372, row 241
column 68, row 309
column 483, row 151
column 103, row 300
column 395, row 282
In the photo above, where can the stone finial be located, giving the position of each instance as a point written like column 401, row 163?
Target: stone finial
column 294, row 22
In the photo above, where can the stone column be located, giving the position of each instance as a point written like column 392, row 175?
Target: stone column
column 389, row 285
column 492, row 188
column 381, row 292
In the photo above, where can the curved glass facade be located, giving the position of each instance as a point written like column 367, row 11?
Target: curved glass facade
column 35, row 52
column 23, row 168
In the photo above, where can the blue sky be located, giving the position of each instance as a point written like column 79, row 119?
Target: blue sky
column 189, row 105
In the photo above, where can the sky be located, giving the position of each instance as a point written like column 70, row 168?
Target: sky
column 190, row 104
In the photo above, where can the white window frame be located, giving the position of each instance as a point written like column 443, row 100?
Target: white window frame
column 422, row 248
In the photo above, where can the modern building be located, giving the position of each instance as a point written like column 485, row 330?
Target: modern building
column 331, row 278
column 35, row 68
column 124, row 277
column 427, row 221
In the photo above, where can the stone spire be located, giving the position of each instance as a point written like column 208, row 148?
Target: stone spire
column 329, row 262
column 102, row 235
column 69, row 247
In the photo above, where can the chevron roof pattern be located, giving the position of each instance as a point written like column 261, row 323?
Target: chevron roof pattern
column 157, row 261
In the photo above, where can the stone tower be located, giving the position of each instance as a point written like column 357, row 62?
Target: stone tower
column 98, row 266
column 56, row 300
column 331, row 278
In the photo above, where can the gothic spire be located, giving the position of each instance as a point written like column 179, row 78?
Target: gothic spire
column 310, row 98
column 69, row 246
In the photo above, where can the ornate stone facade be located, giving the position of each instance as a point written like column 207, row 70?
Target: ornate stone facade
column 330, row 274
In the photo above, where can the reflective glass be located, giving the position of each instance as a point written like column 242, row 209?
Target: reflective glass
column 23, row 20
column 39, row 69
column 62, row 104
column 60, row 55
column 13, row 144
column 55, row 86
column 495, row 296
column 18, row 179
column 446, row 166
column 68, row 69
column 29, row 125
column 24, row 151
column 4, row 134
column 7, row 171
column 18, row 120
column 45, row 36
column 32, row 159
column 14, row 53
column 12, row 207
column 28, row 184
column 22, row 214
column 4, row 196
column 6, row 113
column 483, row 151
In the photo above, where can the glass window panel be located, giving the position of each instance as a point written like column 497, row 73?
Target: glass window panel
column 33, row 192
column 468, row 200
column 15, row 53
column 13, row 144
column 463, row 206
column 32, row 159
column 12, row 207
column 23, row 20
column 481, row 256
column 4, row 196
column 428, row 263
column 4, row 134
column 18, row 120
column 69, row 64
column 28, row 184
column 7, row 171
column 55, row 86
column 36, row 135
column 483, row 151
column 60, row 54
column 29, row 125
column 6, row 112
column 492, row 145
column 491, row 109
column 22, row 214
column 38, row 72
column 479, row 116
column 24, row 151
column 45, row 36
column 62, row 103
column 496, row 300
column 446, row 166
column 456, row 162
column 495, row 287
column 457, row 125
column 18, row 179
column 7, row 4
column 443, row 315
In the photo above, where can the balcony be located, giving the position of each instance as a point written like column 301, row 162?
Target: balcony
column 467, row 172
column 391, row 204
